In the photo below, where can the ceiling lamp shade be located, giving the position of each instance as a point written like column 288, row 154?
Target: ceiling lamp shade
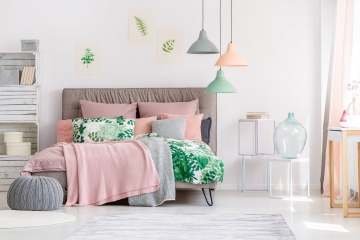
column 220, row 84
column 231, row 58
column 203, row 45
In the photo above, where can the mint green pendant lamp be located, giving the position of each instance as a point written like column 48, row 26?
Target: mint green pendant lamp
column 220, row 84
column 203, row 45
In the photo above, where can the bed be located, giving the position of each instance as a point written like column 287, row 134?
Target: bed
column 207, row 106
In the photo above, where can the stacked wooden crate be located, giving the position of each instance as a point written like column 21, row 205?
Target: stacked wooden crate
column 18, row 113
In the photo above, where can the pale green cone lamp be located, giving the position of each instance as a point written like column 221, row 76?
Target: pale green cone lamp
column 220, row 84
column 203, row 45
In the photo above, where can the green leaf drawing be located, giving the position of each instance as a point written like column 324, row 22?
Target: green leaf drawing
column 88, row 58
column 168, row 46
column 141, row 25
column 81, row 128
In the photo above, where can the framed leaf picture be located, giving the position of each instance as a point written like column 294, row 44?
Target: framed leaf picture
column 87, row 59
column 169, row 45
column 141, row 27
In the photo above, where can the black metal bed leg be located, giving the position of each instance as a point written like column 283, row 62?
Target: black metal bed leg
column 211, row 202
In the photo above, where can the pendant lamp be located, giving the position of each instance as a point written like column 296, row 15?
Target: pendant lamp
column 220, row 84
column 231, row 57
column 203, row 45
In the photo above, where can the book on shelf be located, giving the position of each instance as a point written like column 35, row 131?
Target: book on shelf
column 23, row 76
column 257, row 115
column 32, row 75
column 27, row 76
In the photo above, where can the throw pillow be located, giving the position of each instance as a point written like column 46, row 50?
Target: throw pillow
column 170, row 128
column 96, row 110
column 193, row 125
column 64, row 131
column 148, row 109
column 205, row 130
column 143, row 125
column 102, row 129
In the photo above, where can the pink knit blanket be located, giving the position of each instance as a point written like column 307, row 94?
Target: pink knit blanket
column 105, row 172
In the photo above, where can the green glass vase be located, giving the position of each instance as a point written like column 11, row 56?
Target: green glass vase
column 289, row 138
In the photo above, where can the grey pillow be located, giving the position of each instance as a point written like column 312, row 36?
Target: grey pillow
column 170, row 128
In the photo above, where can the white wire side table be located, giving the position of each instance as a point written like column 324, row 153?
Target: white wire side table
column 256, row 145
column 290, row 176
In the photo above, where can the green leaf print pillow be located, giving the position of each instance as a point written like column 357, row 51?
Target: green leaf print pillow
column 102, row 129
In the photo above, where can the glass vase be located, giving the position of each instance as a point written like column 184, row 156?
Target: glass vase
column 289, row 138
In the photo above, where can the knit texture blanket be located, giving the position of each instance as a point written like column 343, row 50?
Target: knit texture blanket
column 98, row 173
column 161, row 155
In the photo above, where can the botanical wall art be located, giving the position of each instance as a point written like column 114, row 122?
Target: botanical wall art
column 141, row 27
column 88, row 59
column 169, row 45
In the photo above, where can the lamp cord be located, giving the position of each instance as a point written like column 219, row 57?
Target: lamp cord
column 231, row 21
column 202, row 14
column 220, row 31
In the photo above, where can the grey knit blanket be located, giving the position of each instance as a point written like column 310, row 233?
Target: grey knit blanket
column 161, row 155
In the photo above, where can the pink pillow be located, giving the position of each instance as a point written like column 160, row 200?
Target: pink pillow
column 95, row 110
column 148, row 109
column 64, row 131
column 193, row 125
column 143, row 125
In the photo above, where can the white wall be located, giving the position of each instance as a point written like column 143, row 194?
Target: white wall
column 280, row 39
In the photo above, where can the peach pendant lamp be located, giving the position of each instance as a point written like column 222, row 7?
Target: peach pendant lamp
column 231, row 57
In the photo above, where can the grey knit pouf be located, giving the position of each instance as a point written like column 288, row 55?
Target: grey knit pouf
column 35, row 193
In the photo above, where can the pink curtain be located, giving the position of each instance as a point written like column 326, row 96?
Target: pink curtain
column 339, row 76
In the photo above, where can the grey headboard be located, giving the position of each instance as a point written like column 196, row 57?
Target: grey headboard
column 207, row 101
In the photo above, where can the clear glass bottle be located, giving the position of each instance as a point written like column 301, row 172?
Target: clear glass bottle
column 289, row 138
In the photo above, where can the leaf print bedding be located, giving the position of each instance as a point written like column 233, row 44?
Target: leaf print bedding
column 102, row 129
column 193, row 161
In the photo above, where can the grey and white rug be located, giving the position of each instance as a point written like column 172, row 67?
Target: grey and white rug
column 176, row 226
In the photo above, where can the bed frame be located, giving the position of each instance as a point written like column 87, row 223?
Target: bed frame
column 207, row 105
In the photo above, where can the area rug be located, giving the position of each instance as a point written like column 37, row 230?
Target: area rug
column 174, row 226
column 25, row 219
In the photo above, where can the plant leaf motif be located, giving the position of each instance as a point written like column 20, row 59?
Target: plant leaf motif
column 81, row 128
column 168, row 46
column 141, row 25
column 88, row 58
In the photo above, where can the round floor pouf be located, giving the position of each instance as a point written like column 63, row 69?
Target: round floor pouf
column 35, row 193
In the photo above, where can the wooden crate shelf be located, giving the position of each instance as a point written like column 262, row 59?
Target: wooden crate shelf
column 19, row 112
column 10, row 168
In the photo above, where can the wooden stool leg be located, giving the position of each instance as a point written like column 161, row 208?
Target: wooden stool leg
column 358, row 173
column 331, row 172
column 345, row 174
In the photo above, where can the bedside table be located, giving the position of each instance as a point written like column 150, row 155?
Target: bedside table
column 255, row 128
column 290, row 176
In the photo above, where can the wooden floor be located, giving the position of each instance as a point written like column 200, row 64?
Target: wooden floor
column 308, row 218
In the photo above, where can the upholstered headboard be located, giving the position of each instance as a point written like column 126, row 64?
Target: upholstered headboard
column 207, row 101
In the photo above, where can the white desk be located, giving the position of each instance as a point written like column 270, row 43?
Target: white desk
column 343, row 135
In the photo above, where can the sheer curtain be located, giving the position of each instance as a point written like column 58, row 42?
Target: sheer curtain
column 344, row 68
